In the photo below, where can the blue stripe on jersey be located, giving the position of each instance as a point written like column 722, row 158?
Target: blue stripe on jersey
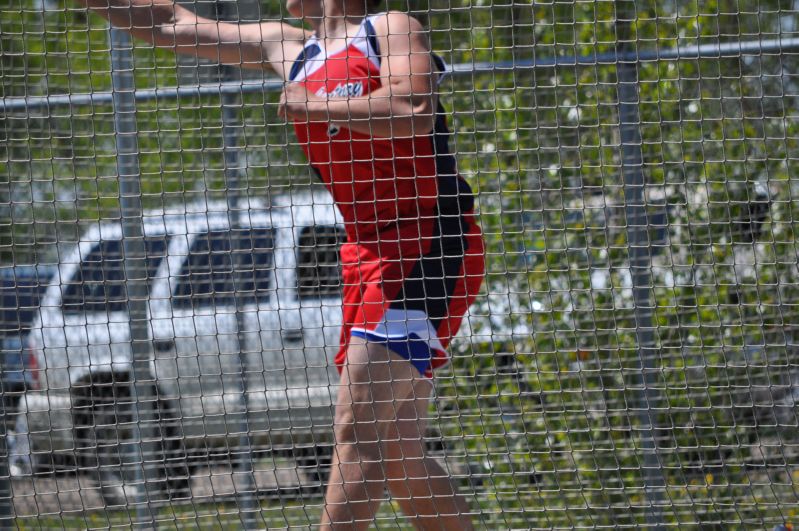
column 309, row 52
column 371, row 37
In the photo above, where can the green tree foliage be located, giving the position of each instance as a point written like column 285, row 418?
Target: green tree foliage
column 542, row 403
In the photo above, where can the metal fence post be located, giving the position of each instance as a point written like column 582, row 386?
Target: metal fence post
column 640, row 257
column 243, row 470
column 142, row 397
column 6, row 500
column 243, row 467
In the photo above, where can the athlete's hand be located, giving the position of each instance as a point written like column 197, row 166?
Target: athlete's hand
column 297, row 104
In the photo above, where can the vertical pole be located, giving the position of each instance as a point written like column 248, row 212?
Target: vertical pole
column 243, row 473
column 640, row 258
column 142, row 409
column 6, row 501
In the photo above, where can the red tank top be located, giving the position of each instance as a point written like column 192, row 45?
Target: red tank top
column 377, row 183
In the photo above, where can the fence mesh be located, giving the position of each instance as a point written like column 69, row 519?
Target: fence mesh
column 169, row 322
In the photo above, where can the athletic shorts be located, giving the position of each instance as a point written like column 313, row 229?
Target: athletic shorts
column 411, row 288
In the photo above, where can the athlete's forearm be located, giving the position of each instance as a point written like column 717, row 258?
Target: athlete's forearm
column 379, row 114
column 167, row 25
column 144, row 19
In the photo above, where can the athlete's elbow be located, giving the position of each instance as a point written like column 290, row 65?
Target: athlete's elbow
column 421, row 126
column 408, row 126
column 421, row 119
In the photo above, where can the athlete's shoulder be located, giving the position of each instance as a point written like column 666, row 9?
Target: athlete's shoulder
column 395, row 23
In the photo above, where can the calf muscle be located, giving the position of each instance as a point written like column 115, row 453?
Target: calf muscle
column 417, row 482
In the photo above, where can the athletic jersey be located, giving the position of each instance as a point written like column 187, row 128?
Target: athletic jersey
column 383, row 187
column 414, row 260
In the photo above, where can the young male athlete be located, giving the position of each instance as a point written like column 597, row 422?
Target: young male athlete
column 361, row 93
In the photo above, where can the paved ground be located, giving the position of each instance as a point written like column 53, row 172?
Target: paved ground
column 72, row 494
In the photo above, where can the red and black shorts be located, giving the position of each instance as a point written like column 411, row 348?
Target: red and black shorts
column 411, row 290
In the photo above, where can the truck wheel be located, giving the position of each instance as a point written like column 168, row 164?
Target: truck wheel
column 101, row 427
column 104, row 439
column 315, row 464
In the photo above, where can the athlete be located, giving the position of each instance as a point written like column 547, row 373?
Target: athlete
column 361, row 93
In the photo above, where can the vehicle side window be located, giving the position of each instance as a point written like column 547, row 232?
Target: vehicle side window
column 318, row 264
column 208, row 276
column 254, row 254
column 99, row 283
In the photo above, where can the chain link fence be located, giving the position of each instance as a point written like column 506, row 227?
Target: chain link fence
column 170, row 274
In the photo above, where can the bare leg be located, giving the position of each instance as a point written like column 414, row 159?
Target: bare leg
column 417, row 482
column 375, row 384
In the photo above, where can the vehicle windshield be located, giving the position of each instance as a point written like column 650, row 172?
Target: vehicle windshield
column 98, row 285
column 224, row 265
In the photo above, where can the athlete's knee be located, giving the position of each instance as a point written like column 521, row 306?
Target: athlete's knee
column 355, row 420
column 363, row 413
column 357, row 437
column 363, row 393
column 406, row 463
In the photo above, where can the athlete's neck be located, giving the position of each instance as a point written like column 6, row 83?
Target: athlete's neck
column 341, row 20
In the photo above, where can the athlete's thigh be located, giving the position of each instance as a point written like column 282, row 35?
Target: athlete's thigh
column 376, row 379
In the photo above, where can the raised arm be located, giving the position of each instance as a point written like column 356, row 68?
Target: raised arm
column 168, row 25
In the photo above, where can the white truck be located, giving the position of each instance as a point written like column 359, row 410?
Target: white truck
column 262, row 293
